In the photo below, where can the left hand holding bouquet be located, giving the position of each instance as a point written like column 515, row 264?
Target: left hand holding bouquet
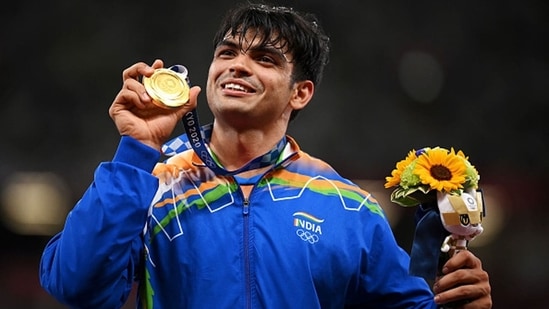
column 444, row 184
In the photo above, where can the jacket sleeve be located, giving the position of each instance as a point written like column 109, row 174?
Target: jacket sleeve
column 385, row 281
column 91, row 263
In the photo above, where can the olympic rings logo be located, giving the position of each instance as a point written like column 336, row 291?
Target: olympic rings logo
column 307, row 236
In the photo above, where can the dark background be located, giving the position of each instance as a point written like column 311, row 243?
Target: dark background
column 462, row 74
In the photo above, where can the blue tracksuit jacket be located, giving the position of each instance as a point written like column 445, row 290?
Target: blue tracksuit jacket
column 304, row 238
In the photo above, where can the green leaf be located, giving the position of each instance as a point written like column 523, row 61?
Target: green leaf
column 412, row 196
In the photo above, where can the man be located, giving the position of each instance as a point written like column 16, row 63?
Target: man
column 284, row 232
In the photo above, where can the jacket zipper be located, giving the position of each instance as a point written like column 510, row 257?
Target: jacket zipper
column 247, row 269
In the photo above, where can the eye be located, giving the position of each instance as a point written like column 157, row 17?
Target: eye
column 266, row 59
column 225, row 53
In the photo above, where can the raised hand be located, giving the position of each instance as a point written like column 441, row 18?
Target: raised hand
column 134, row 113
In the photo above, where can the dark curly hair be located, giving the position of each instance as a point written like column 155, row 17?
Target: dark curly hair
column 298, row 34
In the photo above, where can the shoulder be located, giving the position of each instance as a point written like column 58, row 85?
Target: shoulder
column 317, row 175
column 174, row 164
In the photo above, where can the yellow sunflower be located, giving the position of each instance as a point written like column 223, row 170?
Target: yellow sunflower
column 441, row 170
column 394, row 179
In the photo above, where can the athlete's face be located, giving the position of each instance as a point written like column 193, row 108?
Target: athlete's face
column 248, row 83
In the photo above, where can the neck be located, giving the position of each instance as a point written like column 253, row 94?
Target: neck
column 234, row 148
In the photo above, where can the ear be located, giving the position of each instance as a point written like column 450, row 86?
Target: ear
column 303, row 93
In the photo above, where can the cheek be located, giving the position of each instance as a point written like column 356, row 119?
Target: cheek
column 213, row 74
column 276, row 82
column 282, row 87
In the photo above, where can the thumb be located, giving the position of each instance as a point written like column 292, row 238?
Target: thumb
column 193, row 99
column 189, row 106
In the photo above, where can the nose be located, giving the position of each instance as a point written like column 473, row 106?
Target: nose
column 240, row 65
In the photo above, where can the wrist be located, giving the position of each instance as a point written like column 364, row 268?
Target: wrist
column 136, row 153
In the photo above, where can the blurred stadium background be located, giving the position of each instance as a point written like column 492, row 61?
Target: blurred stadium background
column 468, row 75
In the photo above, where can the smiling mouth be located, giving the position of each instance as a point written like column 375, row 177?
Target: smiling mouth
column 237, row 87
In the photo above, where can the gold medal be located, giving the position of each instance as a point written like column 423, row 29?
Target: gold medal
column 167, row 88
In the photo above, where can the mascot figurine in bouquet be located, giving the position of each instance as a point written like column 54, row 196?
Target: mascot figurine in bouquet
column 444, row 185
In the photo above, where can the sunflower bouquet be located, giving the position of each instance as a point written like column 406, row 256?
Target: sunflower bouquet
column 445, row 186
column 430, row 170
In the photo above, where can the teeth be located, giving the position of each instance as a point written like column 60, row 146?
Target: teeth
column 233, row 86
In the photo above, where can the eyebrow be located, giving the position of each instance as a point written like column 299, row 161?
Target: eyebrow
column 266, row 48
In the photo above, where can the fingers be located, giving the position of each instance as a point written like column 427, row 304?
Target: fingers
column 133, row 92
column 140, row 69
column 476, row 298
column 462, row 259
column 140, row 97
column 157, row 64
column 132, row 83
column 464, row 279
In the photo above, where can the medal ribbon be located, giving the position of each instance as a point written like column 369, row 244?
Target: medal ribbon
column 197, row 137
